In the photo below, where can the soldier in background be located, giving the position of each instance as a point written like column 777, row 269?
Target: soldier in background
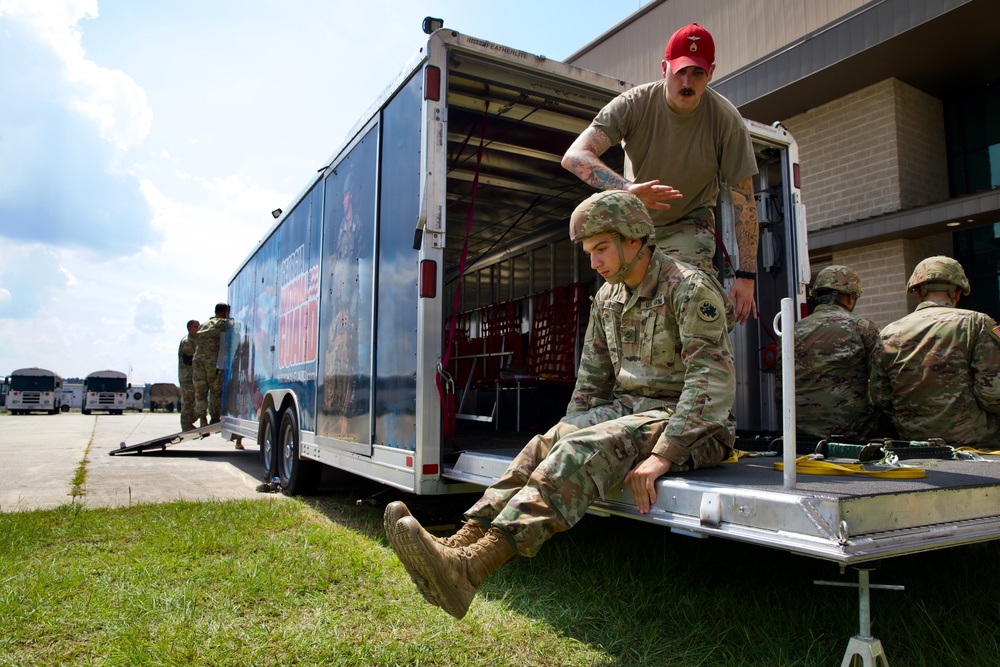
column 938, row 371
column 654, row 395
column 185, row 374
column 833, row 349
column 207, row 374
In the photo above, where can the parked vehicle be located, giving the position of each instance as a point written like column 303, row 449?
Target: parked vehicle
column 164, row 396
column 105, row 390
column 34, row 390
column 392, row 281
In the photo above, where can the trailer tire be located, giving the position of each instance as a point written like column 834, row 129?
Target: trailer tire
column 299, row 477
column 267, row 440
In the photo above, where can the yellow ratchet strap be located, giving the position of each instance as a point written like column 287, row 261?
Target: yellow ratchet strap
column 810, row 466
column 981, row 452
column 736, row 455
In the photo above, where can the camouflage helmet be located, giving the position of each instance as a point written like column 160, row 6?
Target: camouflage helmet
column 611, row 211
column 838, row 278
column 939, row 269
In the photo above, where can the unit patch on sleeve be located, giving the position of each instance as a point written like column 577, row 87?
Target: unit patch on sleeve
column 996, row 333
column 709, row 312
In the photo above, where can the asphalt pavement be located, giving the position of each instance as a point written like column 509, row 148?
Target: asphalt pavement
column 41, row 455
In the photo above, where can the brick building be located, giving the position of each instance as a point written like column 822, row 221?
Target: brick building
column 896, row 109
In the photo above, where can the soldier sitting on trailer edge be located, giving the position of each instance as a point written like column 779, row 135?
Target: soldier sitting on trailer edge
column 654, row 395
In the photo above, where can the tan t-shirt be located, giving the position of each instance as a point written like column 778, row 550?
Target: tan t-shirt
column 686, row 152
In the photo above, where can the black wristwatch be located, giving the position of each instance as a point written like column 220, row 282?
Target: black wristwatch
column 752, row 275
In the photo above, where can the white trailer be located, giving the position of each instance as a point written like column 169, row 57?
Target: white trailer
column 34, row 390
column 72, row 396
column 425, row 276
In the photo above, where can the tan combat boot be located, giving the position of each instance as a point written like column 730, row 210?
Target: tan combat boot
column 449, row 577
column 470, row 532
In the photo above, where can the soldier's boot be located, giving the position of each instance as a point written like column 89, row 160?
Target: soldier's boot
column 187, row 427
column 451, row 576
column 203, row 421
column 470, row 532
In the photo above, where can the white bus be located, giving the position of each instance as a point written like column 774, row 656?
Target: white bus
column 105, row 390
column 34, row 390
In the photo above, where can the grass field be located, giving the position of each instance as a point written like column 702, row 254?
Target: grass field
column 313, row 582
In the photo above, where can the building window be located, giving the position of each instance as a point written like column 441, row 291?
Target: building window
column 972, row 124
column 978, row 250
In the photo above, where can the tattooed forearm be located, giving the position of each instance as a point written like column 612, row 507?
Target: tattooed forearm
column 747, row 229
column 583, row 159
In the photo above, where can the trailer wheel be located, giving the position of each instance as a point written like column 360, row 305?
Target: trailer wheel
column 299, row 477
column 267, row 440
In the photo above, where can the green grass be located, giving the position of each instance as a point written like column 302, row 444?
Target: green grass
column 292, row 582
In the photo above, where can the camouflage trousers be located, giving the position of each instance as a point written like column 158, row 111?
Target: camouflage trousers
column 548, row 487
column 207, row 391
column 188, row 416
column 691, row 239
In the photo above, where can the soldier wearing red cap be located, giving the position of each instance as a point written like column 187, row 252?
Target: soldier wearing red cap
column 681, row 138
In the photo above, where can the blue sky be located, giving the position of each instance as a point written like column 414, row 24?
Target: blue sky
column 143, row 145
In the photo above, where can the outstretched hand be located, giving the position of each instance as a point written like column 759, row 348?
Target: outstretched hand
column 643, row 477
column 654, row 195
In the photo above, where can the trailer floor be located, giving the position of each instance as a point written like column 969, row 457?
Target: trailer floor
column 848, row 519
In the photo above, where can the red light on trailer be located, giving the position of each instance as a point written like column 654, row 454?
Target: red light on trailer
column 428, row 278
column 796, row 177
column 432, row 83
column 430, row 468
column 803, row 311
column 409, row 461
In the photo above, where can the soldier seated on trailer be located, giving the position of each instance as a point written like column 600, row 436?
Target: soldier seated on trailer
column 833, row 348
column 938, row 371
column 654, row 394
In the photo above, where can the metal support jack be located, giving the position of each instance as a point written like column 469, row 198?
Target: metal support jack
column 863, row 650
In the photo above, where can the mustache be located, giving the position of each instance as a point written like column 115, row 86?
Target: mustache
column 687, row 91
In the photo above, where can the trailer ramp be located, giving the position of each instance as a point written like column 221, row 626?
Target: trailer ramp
column 168, row 440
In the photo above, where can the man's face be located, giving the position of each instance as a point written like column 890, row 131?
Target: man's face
column 685, row 87
column 603, row 254
column 193, row 329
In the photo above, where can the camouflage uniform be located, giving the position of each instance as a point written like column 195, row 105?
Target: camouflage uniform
column 185, row 375
column 207, row 374
column 938, row 373
column 833, row 349
column 656, row 376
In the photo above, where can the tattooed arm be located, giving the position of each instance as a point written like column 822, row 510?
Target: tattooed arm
column 747, row 234
column 583, row 158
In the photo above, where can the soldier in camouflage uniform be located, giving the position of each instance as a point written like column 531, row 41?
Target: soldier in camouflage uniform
column 207, row 374
column 185, row 374
column 938, row 373
column 833, row 347
column 654, row 394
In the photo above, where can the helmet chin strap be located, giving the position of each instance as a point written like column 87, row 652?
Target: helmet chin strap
column 623, row 271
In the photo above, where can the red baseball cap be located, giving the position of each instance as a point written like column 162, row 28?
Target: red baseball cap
column 690, row 46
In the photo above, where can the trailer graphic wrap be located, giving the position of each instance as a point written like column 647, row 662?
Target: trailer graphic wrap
column 275, row 304
column 348, row 289
column 399, row 208
column 242, row 394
